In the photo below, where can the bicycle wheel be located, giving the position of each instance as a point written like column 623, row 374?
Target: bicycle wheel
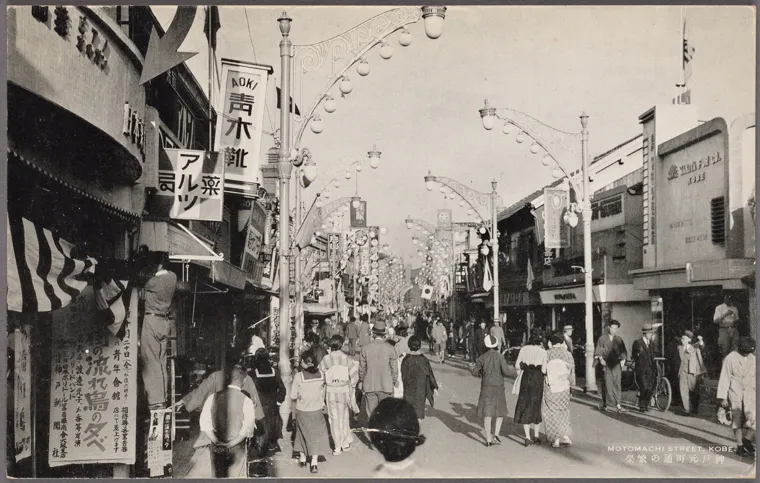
column 663, row 394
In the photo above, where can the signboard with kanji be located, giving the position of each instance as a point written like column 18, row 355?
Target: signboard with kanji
column 556, row 202
column 359, row 214
column 193, row 180
column 239, row 124
column 160, row 437
column 93, row 388
column 22, row 396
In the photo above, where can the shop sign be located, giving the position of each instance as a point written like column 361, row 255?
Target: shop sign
column 193, row 179
column 93, row 388
column 556, row 202
column 160, row 436
column 22, row 398
column 563, row 297
column 239, row 124
column 515, row 298
column 358, row 214
column 269, row 272
column 133, row 127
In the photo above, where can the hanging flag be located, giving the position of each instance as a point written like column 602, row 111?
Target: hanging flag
column 688, row 54
column 113, row 298
column 42, row 274
column 193, row 181
column 211, row 25
column 487, row 277
column 293, row 105
column 529, row 282
column 427, row 292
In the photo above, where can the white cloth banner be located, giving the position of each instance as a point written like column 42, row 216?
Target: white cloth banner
column 22, row 399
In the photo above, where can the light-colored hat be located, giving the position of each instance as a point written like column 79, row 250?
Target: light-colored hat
column 379, row 327
column 688, row 334
column 491, row 341
column 646, row 328
column 568, row 326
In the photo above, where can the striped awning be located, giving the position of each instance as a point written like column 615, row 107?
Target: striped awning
column 42, row 275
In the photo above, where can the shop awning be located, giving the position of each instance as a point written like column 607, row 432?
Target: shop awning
column 316, row 309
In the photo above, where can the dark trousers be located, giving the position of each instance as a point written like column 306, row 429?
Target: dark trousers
column 373, row 399
column 646, row 390
column 613, row 374
column 352, row 347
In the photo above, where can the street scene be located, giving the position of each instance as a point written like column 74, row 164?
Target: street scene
column 381, row 242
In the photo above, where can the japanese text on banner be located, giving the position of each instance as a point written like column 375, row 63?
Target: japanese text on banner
column 194, row 182
column 93, row 392
column 22, row 428
column 556, row 202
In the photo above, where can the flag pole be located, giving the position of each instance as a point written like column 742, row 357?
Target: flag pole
column 681, row 53
column 210, row 79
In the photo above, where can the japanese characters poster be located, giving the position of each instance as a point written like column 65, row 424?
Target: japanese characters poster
column 556, row 201
column 160, row 436
column 194, row 181
column 22, row 407
column 93, row 390
column 239, row 121
column 359, row 215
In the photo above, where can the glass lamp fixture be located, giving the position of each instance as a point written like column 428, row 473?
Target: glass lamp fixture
column 507, row 128
column 429, row 185
column 535, row 148
column 316, row 125
column 461, row 202
column 405, row 39
column 374, row 157
column 409, row 225
column 556, row 173
column 546, row 159
column 309, row 171
column 347, row 174
column 520, row 137
column 345, row 86
column 386, row 51
column 330, row 105
column 488, row 116
column 336, row 183
column 362, row 68
column 326, row 193
column 358, row 167
column 355, row 203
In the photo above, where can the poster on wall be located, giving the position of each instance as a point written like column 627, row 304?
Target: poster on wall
column 160, row 436
column 93, row 388
column 193, row 181
column 556, row 203
column 22, row 399
column 240, row 122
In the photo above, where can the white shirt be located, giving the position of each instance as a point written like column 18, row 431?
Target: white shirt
column 249, row 415
column 256, row 344
column 730, row 320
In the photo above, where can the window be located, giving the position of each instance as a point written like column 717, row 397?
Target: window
column 718, row 220
column 606, row 208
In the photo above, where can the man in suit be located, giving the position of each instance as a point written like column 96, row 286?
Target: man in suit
column 378, row 368
column 644, row 366
column 568, row 333
column 691, row 372
column 611, row 354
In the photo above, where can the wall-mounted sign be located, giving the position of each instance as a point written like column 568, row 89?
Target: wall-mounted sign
column 556, row 202
column 193, row 180
column 22, row 395
column 359, row 214
column 239, row 124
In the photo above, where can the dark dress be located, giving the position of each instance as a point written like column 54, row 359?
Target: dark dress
column 492, row 369
column 528, row 408
column 419, row 382
column 271, row 391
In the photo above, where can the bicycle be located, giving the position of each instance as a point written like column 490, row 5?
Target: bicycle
column 663, row 393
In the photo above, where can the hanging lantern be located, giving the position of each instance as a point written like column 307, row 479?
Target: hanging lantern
column 345, row 86
column 330, row 105
column 362, row 68
column 336, row 183
column 520, row 137
column 535, row 148
column 546, row 159
column 316, row 125
column 386, row 51
column 405, row 39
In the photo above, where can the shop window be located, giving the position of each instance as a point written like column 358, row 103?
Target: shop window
column 718, row 220
column 606, row 208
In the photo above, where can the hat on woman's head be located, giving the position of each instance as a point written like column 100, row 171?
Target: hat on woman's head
column 491, row 341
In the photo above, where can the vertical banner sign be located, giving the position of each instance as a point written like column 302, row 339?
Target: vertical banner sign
column 333, row 250
column 193, row 179
column 359, row 215
column 240, row 117
column 556, row 202
column 93, row 388
column 22, row 399
column 444, row 218
column 160, row 436
column 254, row 241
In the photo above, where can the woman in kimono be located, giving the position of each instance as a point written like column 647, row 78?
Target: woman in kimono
column 418, row 378
column 530, row 387
column 560, row 376
column 736, row 390
column 492, row 403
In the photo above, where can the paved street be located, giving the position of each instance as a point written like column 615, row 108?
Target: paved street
column 604, row 444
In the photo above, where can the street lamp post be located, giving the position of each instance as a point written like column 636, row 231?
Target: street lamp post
column 563, row 154
column 336, row 49
column 486, row 205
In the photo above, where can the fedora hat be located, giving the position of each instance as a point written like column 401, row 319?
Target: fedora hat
column 646, row 328
column 688, row 334
column 379, row 327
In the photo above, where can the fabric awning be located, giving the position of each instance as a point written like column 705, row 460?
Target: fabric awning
column 316, row 309
column 42, row 274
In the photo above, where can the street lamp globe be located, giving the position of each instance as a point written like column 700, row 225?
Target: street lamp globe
column 556, row 173
column 507, row 128
column 358, row 167
column 336, row 183
column 347, row 174
column 488, row 116
column 345, row 86
column 546, row 160
column 310, row 171
column 330, row 105
column 434, row 17
column 374, row 157
column 409, row 225
column 316, row 125
column 326, row 194
column 405, row 39
column 520, row 137
column 362, row 68
column 535, row 148
column 386, row 51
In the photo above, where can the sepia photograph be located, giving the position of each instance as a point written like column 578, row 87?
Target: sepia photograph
column 446, row 241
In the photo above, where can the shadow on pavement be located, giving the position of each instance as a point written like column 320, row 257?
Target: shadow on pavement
column 457, row 426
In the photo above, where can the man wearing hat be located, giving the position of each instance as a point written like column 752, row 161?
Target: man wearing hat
column 691, row 372
column 568, row 333
column 644, row 366
column 378, row 368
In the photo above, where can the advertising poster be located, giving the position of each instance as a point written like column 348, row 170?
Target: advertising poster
column 556, row 202
column 93, row 388
column 193, row 180
column 160, row 436
column 22, row 399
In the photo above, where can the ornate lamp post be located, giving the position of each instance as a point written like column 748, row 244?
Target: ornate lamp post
column 562, row 155
column 351, row 45
column 486, row 205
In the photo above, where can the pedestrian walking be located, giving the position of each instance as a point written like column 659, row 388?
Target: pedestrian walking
column 227, row 421
column 341, row 376
column 560, row 377
column 568, row 334
column 644, row 366
column 611, row 354
column 691, row 372
column 352, row 334
column 471, row 341
column 327, row 330
column 529, row 386
column 439, row 340
column 308, row 392
column 492, row 403
column 727, row 318
column 480, row 333
column 497, row 331
column 736, row 391
column 395, row 432
column 418, row 379
column 378, row 369
column 271, row 392
column 365, row 332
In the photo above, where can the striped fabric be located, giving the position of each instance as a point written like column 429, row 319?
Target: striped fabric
column 42, row 275
column 113, row 297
